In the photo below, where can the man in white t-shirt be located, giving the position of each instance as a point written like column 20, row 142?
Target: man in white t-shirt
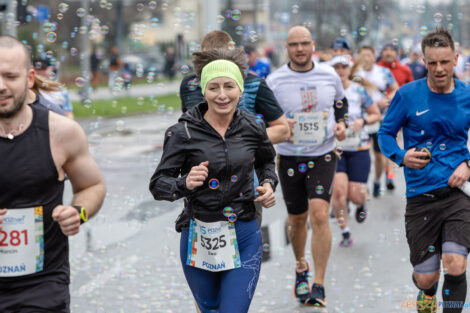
column 312, row 96
column 384, row 88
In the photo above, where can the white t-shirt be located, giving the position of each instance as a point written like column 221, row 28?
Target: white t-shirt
column 381, row 77
column 57, row 97
column 314, row 91
column 358, row 101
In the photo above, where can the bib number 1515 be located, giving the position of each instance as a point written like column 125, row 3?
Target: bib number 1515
column 308, row 126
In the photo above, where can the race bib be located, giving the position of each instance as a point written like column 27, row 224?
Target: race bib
column 310, row 129
column 352, row 141
column 22, row 242
column 372, row 129
column 213, row 246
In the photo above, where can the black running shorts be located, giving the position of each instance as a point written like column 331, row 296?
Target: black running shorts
column 303, row 178
column 44, row 297
column 375, row 142
column 430, row 222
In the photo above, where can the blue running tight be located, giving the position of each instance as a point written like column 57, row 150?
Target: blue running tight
column 227, row 291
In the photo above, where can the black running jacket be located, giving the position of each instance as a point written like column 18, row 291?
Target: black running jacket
column 246, row 147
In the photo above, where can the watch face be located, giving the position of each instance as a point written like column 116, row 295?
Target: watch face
column 85, row 214
column 468, row 163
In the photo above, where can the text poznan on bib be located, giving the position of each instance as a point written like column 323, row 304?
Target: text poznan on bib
column 213, row 246
column 22, row 242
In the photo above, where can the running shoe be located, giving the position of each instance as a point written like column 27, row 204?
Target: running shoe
column 425, row 303
column 302, row 285
column 361, row 213
column 317, row 297
column 376, row 191
column 346, row 241
column 390, row 184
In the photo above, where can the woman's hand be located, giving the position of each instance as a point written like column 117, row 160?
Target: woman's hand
column 197, row 175
column 266, row 197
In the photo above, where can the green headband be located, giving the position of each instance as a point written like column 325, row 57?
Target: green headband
column 221, row 68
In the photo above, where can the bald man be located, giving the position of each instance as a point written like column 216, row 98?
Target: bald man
column 38, row 148
column 312, row 96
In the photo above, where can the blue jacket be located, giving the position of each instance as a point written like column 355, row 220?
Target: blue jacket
column 439, row 122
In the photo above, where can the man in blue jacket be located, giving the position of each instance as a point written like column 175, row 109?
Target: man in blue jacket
column 434, row 113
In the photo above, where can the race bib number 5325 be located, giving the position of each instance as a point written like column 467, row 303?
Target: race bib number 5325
column 22, row 242
column 213, row 246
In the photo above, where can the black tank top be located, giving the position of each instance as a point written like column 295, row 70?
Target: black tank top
column 29, row 178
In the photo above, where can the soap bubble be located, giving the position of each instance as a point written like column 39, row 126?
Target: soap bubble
column 184, row 69
column 80, row 81
column 213, row 183
column 423, row 30
column 363, row 31
column 236, row 15
column 319, row 189
column 239, row 30
column 295, row 9
column 81, row 12
column 51, row 37
column 154, row 22
column 63, row 7
column 232, row 218
column 227, row 211
column 437, row 17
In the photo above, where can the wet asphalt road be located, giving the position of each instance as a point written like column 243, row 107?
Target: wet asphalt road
column 126, row 259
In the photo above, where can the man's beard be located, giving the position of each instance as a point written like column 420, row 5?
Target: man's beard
column 17, row 105
column 307, row 61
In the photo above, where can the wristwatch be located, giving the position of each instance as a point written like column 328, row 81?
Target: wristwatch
column 82, row 212
column 467, row 161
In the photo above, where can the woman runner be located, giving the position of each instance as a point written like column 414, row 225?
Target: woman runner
column 208, row 158
column 354, row 166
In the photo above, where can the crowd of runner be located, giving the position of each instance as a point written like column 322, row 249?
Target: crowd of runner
column 313, row 126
